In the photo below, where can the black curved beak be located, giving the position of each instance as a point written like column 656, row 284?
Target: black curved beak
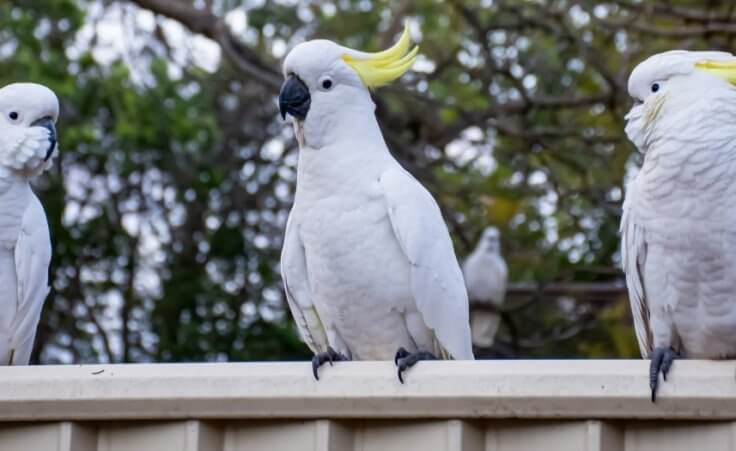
column 48, row 124
column 294, row 98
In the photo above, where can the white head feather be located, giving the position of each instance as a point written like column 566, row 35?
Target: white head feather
column 675, row 96
column 27, row 142
column 337, row 93
column 339, row 80
column 490, row 241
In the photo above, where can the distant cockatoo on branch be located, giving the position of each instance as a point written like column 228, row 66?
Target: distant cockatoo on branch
column 28, row 113
column 486, row 277
column 368, row 265
column 679, row 219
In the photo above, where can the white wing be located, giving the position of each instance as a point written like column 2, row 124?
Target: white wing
column 633, row 257
column 298, row 293
column 436, row 279
column 32, row 259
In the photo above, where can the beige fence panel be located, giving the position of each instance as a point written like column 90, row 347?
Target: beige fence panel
column 576, row 405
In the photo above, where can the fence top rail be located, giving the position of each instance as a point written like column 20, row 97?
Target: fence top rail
column 540, row 389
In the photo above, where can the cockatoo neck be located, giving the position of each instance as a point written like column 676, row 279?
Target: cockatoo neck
column 686, row 125
column 10, row 178
column 341, row 148
column 486, row 249
column 344, row 116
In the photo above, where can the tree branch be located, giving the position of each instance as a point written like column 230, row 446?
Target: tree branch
column 206, row 23
column 674, row 11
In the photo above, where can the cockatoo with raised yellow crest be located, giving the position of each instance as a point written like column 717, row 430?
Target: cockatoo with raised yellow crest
column 679, row 219
column 368, row 265
column 28, row 113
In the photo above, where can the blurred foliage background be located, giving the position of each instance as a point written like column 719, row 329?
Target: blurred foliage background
column 168, row 202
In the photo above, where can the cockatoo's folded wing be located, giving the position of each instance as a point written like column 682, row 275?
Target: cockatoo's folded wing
column 296, row 284
column 633, row 257
column 436, row 280
column 32, row 259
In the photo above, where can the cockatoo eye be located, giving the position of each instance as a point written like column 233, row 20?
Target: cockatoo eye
column 655, row 87
column 326, row 83
column 14, row 116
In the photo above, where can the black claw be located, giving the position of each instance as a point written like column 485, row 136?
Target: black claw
column 315, row 367
column 317, row 362
column 326, row 357
column 400, row 354
column 661, row 362
column 405, row 360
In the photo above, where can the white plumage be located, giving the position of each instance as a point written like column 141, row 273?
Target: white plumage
column 679, row 220
column 367, row 262
column 486, row 276
column 27, row 141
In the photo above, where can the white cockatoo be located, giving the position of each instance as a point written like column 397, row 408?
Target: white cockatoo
column 679, row 217
column 486, row 276
column 28, row 113
column 368, row 265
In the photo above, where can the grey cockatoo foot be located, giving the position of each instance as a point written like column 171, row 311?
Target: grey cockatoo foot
column 330, row 356
column 405, row 360
column 660, row 362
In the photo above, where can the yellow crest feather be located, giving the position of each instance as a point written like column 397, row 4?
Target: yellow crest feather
column 721, row 69
column 380, row 68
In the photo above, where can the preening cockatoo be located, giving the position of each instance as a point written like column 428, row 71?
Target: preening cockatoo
column 486, row 276
column 679, row 217
column 368, row 265
column 28, row 113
